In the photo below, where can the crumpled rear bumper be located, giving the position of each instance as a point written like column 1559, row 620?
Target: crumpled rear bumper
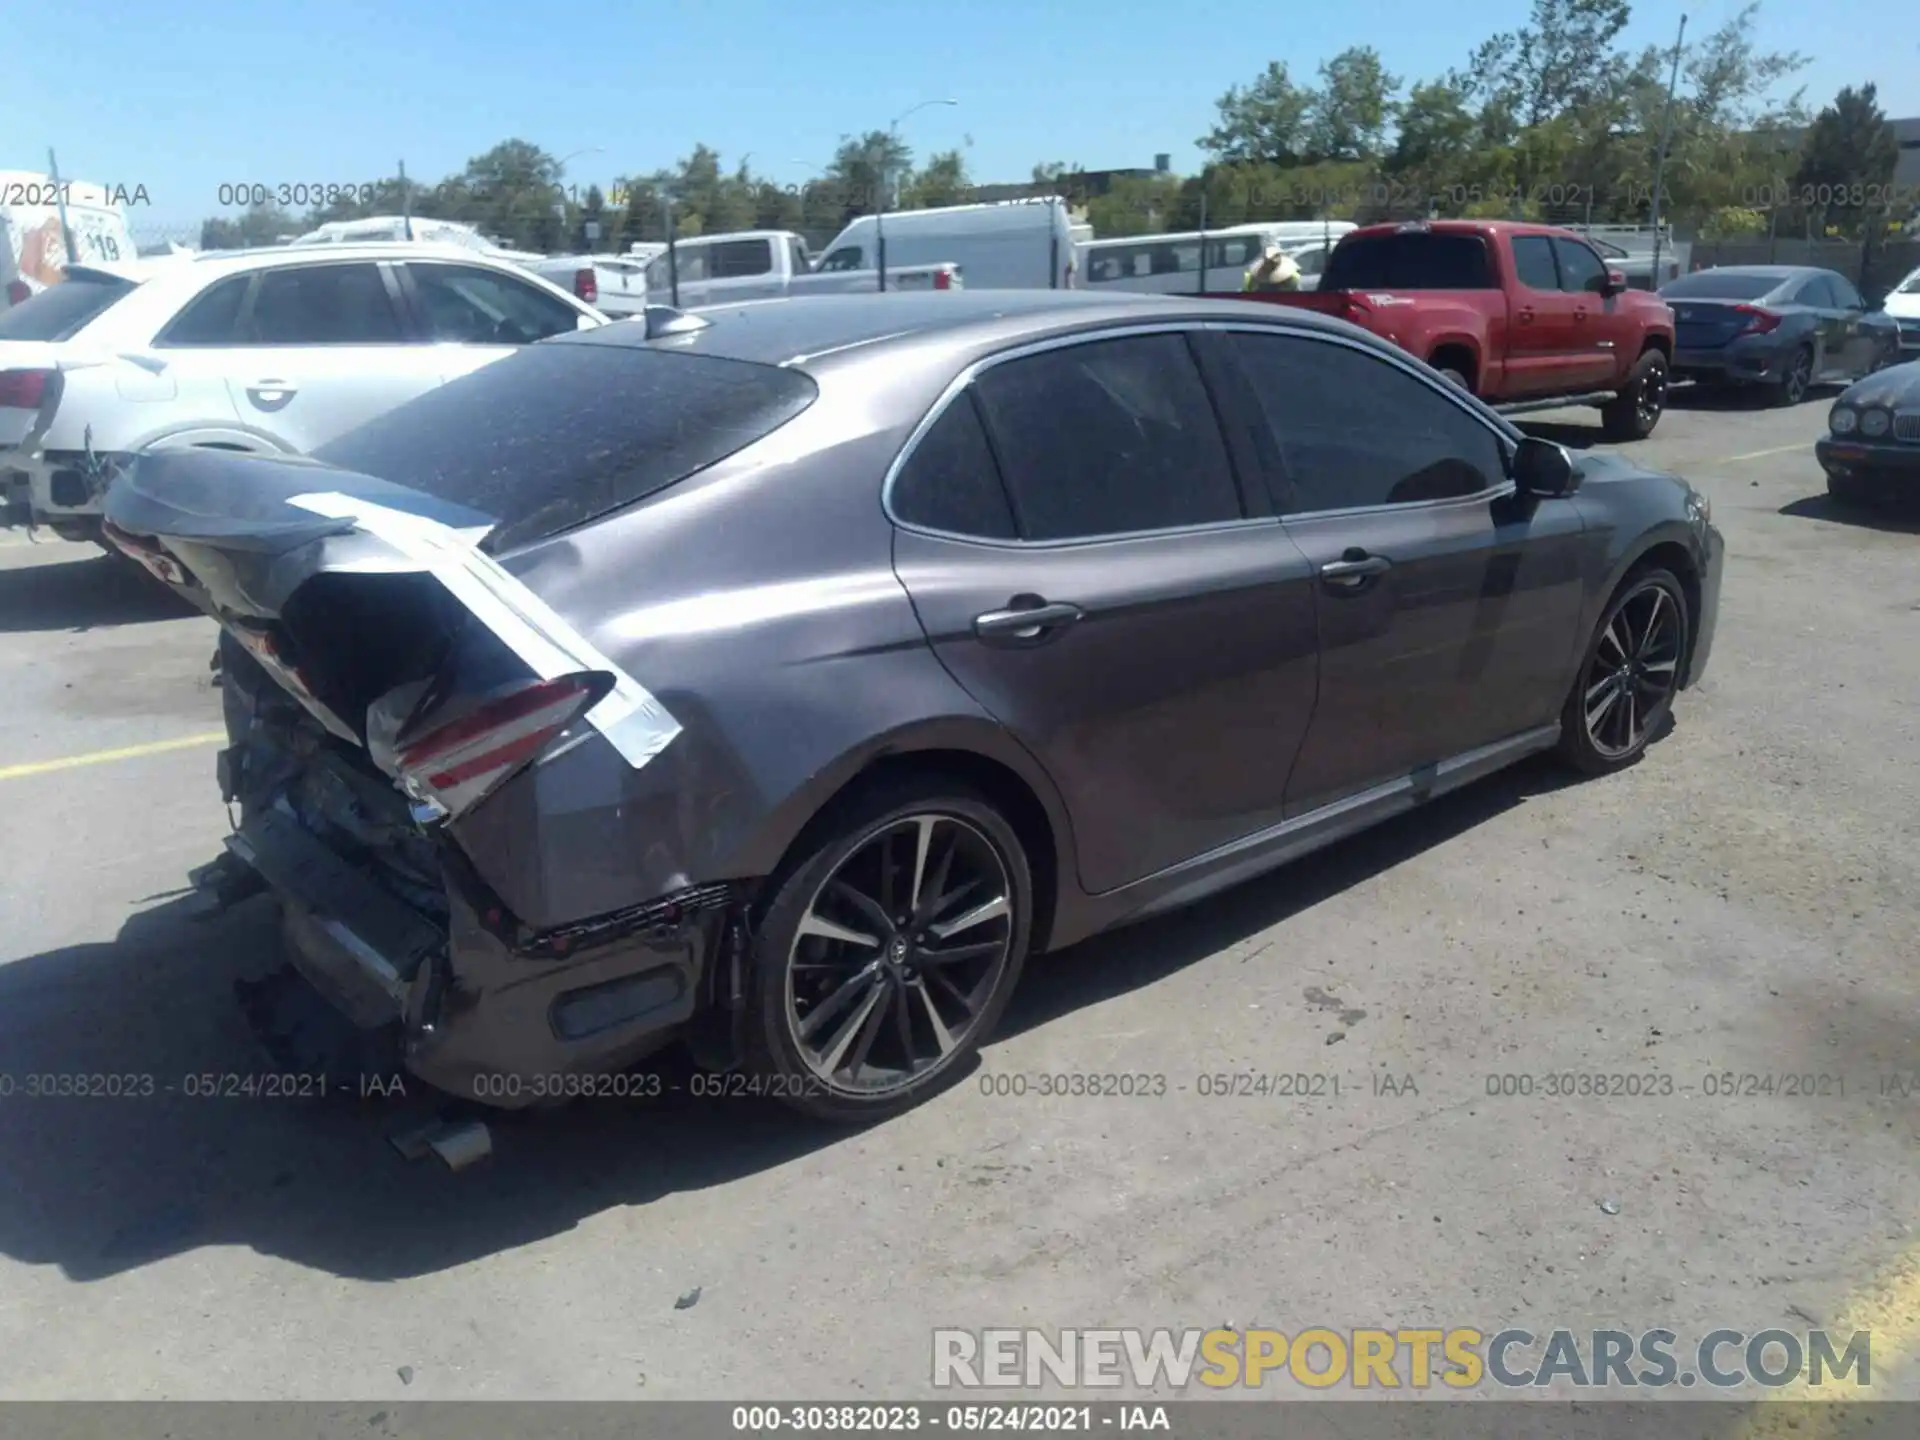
column 467, row 1011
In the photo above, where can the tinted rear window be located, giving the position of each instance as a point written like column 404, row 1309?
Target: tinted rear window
column 61, row 311
column 561, row 433
column 1409, row 262
column 1721, row 285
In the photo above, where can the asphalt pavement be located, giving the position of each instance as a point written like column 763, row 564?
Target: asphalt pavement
column 1741, row 903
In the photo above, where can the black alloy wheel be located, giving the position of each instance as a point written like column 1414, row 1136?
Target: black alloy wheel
column 1632, row 672
column 898, row 944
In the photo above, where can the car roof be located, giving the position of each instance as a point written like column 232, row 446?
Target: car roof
column 806, row 331
column 1776, row 272
column 278, row 255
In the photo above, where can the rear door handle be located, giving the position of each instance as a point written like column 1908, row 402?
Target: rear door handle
column 272, row 394
column 1353, row 571
column 1526, row 315
column 1026, row 624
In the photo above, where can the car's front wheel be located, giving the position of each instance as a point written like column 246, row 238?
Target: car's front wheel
column 886, row 954
column 1629, row 675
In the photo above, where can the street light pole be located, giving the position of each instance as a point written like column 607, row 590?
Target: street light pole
column 886, row 184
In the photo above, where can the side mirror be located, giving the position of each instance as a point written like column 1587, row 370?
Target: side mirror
column 1543, row 468
column 1612, row 283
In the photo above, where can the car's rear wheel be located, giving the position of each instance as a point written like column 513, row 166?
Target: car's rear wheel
column 1798, row 379
column 1629, row 675
column 887, row 952
column 1632, row 414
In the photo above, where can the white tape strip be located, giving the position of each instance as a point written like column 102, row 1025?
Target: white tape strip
column 636, row 724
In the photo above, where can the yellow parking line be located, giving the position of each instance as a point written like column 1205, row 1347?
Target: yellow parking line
column 1762, row 454
column 101, row 757
column 1888, row 1309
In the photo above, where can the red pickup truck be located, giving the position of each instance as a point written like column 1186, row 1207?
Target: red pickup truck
column 1527, row 317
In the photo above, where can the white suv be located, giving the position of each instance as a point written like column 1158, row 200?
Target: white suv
column 273, row 351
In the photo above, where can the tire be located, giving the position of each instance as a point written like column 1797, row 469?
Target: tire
column 1454, row 377
column 1799, row 379
column 803, row 975
column 1632, row 414
column 1600, row 749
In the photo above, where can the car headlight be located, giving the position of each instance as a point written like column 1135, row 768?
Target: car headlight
column 1875, row 422
column 1699, row 507
column 1844, row 420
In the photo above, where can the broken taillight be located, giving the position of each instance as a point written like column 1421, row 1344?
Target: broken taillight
column 458, row 763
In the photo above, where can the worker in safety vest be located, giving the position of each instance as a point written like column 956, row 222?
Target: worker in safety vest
column 1274, row 270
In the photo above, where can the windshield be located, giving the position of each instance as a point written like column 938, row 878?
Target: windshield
column 1722, row 285
column 1910, row 285
column 1410, row 261
column 62, row 311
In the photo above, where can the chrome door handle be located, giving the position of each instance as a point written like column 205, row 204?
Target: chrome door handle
column 1355, row 571
column 1026, row 624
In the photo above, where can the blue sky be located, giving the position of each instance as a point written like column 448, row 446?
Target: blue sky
column 184, row 96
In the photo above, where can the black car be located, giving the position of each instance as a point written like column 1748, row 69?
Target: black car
column 777, row 680
column 1781, row 327
column 1872, row 444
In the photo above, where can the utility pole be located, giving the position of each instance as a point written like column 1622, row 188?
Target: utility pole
column 406, row 203
column 1666, row 139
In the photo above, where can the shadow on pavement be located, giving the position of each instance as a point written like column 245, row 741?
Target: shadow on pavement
column 142, row 1169
column 1113, row 964
column 82, row 593
column 1895, row 514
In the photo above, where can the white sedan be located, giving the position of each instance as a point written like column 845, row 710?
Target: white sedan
column 271, row 351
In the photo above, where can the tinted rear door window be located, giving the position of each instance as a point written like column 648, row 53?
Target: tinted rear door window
column 1108, row 438
column 323, row 305
column 61, row 311
column 560, row 433
column 950, row 481
column 1412, row 261
column 740, row 259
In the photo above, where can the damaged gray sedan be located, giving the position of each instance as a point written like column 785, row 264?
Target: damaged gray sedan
column 777, row 681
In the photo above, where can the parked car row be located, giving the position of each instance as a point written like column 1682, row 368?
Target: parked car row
column 778, row 678
column 272, row 351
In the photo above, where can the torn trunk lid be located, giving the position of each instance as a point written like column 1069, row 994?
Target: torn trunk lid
column 374, row 606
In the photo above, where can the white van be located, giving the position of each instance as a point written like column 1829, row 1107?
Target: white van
column 1171, row 264
column 33, row 251
column 1007, row 245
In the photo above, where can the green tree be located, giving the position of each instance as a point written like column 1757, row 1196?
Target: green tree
column 1266, row 122
column 1847, row 165
column 865, row 170
column 257, row 225
column 943, row 182
column 1353, row 107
